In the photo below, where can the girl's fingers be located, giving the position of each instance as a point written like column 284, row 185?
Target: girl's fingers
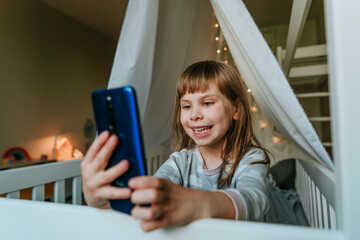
column 147, row 182
column 151, row 225
column 96, row 146
column 103, row 156
column 111, row 174
column 97, row 189
column 110, row 192
column 147, row 195
column 147, row 213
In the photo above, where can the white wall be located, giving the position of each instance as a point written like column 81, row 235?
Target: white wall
column 49, row 65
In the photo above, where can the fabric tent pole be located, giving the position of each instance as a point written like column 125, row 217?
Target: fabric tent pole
column 263, row 75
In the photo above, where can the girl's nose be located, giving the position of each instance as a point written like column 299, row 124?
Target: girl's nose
column 196, row 114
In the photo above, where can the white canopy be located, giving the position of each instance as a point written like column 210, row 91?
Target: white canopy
column 160, row 38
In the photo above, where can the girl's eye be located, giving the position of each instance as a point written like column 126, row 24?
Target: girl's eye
column 206, row 104
column 186, row 107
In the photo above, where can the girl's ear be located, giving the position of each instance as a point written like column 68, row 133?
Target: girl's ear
column 236, row 114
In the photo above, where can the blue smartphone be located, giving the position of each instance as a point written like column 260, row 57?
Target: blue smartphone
column 116, row 111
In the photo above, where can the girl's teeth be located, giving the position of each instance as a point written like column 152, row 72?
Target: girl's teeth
column 201, row 130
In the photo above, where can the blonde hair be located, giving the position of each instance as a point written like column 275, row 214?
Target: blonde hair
column 240, row 137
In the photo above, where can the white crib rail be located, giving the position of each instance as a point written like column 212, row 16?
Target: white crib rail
column 315, row 185
column 35, row 177
column 155, row 157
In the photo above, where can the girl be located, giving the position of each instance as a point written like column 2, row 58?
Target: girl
column 217, row 171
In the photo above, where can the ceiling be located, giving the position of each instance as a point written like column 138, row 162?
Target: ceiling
column 106, row 16
column 271, row 12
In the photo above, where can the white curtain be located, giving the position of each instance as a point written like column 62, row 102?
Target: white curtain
column 157, row 41
column 183, row 37
column 160, row 38
column 134, row 55
column 263, row 75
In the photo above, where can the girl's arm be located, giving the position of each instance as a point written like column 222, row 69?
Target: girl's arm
column 250, row 186
column 96, row 180
column 173, row 205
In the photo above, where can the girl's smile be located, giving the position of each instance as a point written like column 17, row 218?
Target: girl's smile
column 207, row 116
column 202, row 131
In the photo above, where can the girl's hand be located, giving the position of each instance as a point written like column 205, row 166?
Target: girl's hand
column 95, row 179
column 173, row 205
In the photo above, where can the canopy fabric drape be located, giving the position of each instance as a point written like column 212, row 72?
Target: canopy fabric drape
column 264, row 77
column 153, row 50
column 134, row 55
column 181, row 31
column 182, row 38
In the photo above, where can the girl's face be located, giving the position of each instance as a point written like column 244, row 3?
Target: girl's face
column 206, row 117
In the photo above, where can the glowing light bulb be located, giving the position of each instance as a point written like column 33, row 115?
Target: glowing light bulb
column 249, row 90
column 263, row 124
column 226, row 61
column 254, row 109
column 218, row 51
column 225, row 48
column 276, row 139
column 217, row 39
column 216, row 25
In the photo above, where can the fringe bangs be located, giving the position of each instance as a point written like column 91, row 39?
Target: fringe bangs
column 196, row 78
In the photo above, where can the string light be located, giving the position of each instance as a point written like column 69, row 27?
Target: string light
column 254, row 109
column 222, row 46
column 276, row 139
column 263, row 124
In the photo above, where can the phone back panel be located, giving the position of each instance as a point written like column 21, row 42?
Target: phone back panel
column 116, row 110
